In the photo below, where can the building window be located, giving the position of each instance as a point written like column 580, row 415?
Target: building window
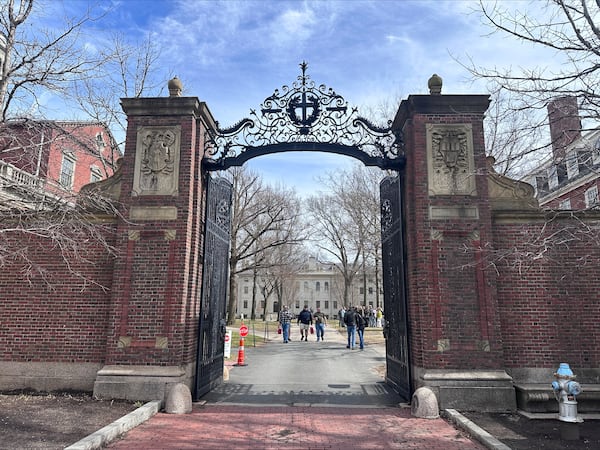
column 95, row 174
column 262, row 304
column 318, row 304
column 553, row 177
column 596, row 152
column 326, row 286
column 305, row 286
column 318, row 286
column 335, row 304
column 67, row 170
column 361, row 291
column 572, row 164
column 326, row 304
column 371, row 291
column 297, row 304
column 245, row 289
column 565, row 204
column 100, row 140
column 245, row 304
column 591, row 197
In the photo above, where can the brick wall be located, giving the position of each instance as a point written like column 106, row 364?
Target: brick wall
column 549, row 290
column 59, row 313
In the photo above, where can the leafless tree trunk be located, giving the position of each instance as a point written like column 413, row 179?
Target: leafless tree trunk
column 264, row 218
column 346, row 222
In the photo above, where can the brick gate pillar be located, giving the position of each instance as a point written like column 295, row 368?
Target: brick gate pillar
column 152, row 338
column 455, row 338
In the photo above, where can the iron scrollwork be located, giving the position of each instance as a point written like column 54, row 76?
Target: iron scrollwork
column 304, row 117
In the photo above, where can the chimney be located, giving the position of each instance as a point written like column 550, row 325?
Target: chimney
column 565, row 124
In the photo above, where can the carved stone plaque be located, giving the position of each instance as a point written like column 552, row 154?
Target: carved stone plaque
column 450, row 162
column 157, row 161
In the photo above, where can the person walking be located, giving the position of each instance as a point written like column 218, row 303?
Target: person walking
column 285, row 320
column 341, row 313
column 379, row 316
column 361, row 322
column 305, row 320
column 320, row 322
column 350, row 322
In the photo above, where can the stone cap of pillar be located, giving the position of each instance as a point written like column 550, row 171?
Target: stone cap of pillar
column 168, row 106
column 440, row 104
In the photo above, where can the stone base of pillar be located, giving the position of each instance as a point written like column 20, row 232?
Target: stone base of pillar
column 469, row 390
column 140, row 383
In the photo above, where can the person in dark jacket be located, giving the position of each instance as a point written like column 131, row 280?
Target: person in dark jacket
column 361, row 323
column 350, row 321
column 305, row 320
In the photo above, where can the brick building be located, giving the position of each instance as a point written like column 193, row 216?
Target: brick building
column 570, row 178
column 493, row 298
column 52, row 159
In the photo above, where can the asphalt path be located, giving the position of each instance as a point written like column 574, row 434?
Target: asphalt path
column 309, row 373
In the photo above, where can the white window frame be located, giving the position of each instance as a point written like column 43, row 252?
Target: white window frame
column 95, row 174
column 565, row 204
column 552, row 177
column 572, row 164
column 100, row 140
column 68, row 158
column 596, row 152
column 591, row 197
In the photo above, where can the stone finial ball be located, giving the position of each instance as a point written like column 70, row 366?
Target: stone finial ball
column 435, row 84
column 175, row 87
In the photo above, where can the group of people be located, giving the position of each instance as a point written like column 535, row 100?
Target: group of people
column 354, row 319
column 305, row 321
column 373, row 316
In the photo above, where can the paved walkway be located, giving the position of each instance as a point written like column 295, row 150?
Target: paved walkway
column 307, row 428
column 301, row 395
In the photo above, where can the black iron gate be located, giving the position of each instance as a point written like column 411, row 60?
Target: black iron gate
column 394, row 285
column 211, row 332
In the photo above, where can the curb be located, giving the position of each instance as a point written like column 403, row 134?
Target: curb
column 474, row 430
column 110, row 432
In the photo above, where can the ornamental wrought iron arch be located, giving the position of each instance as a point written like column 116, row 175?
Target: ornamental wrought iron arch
column 304, row 117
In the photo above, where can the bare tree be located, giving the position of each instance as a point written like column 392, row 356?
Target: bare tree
column 513, row 136
column 516, row 124
column 347, row 223
column 35, row 61
column 277, row 274
column 569, row 29
column 263, row 218
column 128, row 70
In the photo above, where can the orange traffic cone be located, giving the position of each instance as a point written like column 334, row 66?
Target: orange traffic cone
column 240, row 361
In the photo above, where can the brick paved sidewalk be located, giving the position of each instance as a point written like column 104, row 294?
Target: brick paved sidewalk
column 307, row 428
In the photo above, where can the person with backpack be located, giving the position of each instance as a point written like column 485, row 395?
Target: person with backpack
column 361, row 323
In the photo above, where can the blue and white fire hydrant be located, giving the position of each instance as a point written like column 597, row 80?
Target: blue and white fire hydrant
column 566, row 389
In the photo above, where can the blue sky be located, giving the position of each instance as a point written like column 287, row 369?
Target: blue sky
column 233, row 55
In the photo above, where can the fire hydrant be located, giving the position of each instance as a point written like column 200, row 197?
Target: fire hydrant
column 566, row 389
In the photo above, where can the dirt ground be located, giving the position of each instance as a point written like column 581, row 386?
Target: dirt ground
column 54, row 421
column 521, row 433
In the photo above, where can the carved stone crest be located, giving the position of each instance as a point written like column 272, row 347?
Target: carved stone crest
column 157, row 161
column 450, row 160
